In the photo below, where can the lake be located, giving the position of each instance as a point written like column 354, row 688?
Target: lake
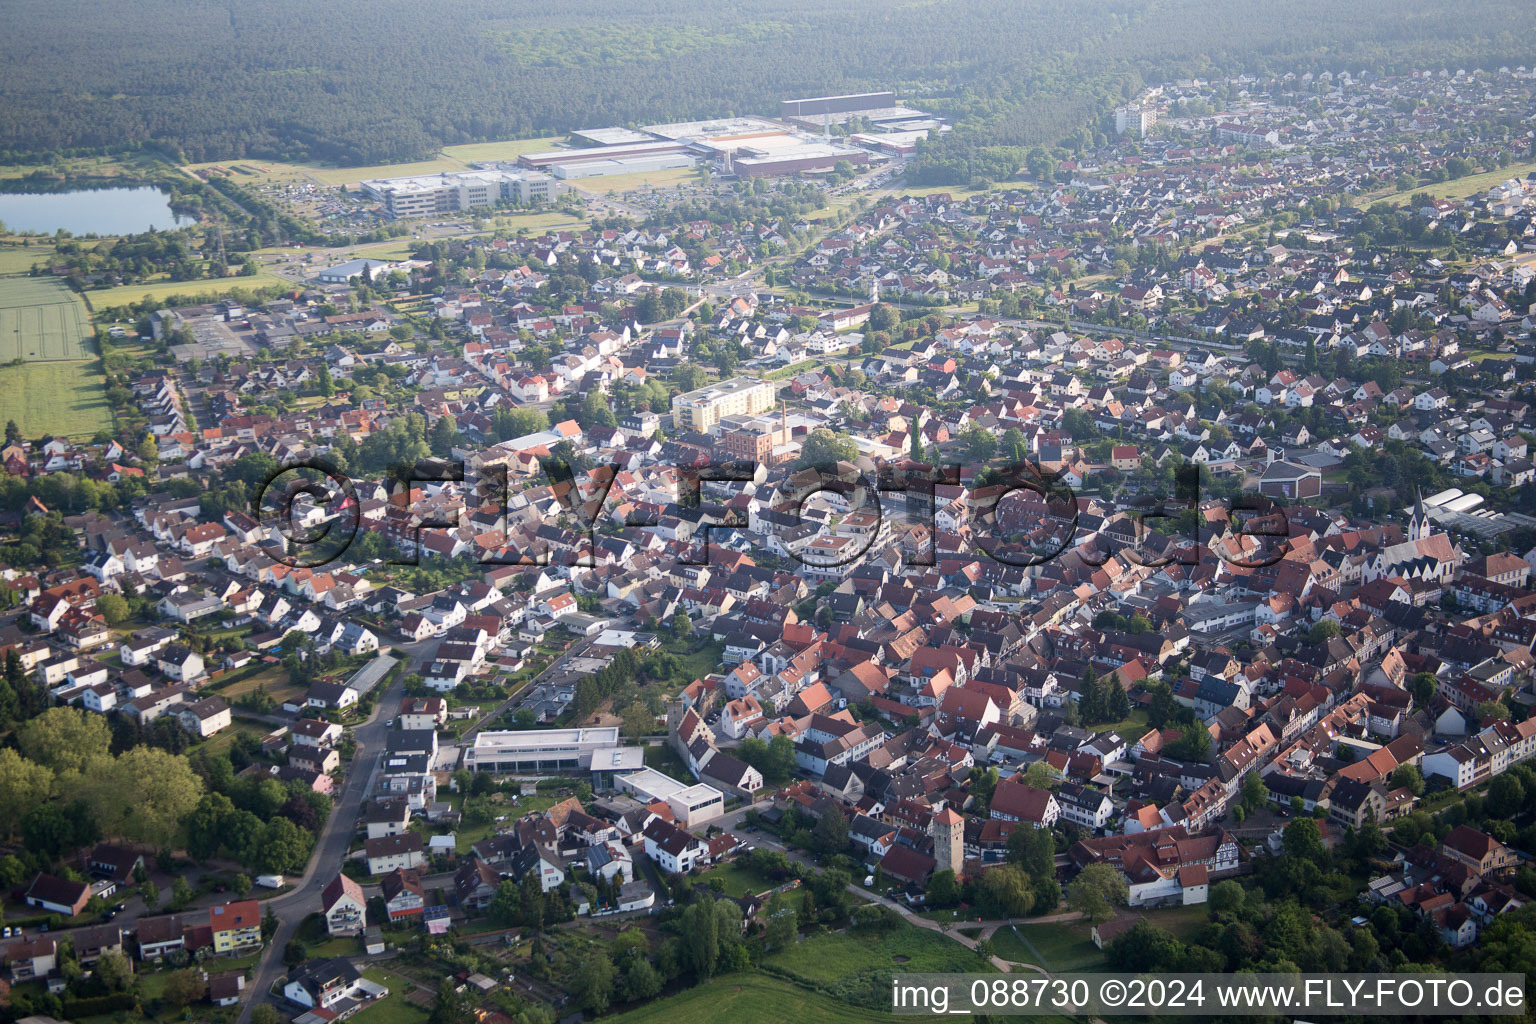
column 99, row 211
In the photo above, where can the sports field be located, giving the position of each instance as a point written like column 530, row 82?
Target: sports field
column 41, row 319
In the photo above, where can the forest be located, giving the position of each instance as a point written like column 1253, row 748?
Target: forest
column 349, row 82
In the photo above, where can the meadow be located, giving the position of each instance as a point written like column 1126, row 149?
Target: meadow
column 207, row 289
column 749, row 999
column 66, row 398
column 450, row 158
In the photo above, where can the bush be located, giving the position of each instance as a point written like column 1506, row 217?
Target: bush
column 91, row 1006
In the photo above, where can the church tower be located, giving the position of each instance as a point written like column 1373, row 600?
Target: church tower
column 948, row 831
column 1419, row 527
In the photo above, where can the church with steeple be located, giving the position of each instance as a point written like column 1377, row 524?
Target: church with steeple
column 1420, row 526
column 1424, row 555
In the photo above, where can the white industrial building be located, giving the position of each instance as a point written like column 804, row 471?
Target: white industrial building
column 602, row 167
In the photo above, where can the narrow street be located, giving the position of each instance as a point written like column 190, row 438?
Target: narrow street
column 330, row 848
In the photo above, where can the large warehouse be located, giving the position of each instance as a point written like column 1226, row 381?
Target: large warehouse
column 787, row 154
column 551, row 158
column 818, row 112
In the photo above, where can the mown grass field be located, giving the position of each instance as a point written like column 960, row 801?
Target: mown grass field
column 41, row 319
column 830, row 959
column 16, row 258
column 1062, row 947
column 66, row 398
column 617, row 183
column 211, row 288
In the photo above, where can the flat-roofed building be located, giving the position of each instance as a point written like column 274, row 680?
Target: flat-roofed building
column 702, row 409
column 597, row 750
column 552, row 158
column 691, row 804
column 453, row 191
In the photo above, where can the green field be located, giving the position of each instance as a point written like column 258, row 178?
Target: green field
column 55, row 398
column 749, row 999
column 20, row 259
column 850, row 963
column 1060, row 947
column 211, row 288
column 41, row 319
column 614, row 184
column 1458, row 188
column 452, row 158
column 511, row 149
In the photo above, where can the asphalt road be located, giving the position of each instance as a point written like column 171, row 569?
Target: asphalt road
column 330, row 848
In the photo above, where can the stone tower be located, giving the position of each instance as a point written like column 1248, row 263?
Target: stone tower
column 948, row 831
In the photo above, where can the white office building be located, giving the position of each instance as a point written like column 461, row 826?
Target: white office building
column 454, row 191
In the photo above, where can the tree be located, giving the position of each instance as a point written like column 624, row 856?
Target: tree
column 782, row 926
column 114, row 970
column 1194, row 744
column 1226, row 897
column 267, row 1014
column 241, row 884
column 593, row 985
column 882, row 318
column 507, row 905
column 1304, row 841
column 1009, row 889
column 1255, row 793
column 23, row 787
column 642, row 981
column 283, row 847
column 824, row 448
column 204, row 827
column 183, row 987
column 1409, row 777
column 1423, row 686
column 1322, row 631
column 1096, row 891
column 444, row 433
column 67, row 740
column 832, row 831
column 449, row 1007
column 980, row 443
column 701, row 938
column 181, row 892
column 1506, row 796
column 55, row 828
column 1033, row 850
column 165, row 790
column 943, row 890
column 1041, row 775
column 113, row 608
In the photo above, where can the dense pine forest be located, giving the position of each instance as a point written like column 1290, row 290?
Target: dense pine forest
column 367, row 81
